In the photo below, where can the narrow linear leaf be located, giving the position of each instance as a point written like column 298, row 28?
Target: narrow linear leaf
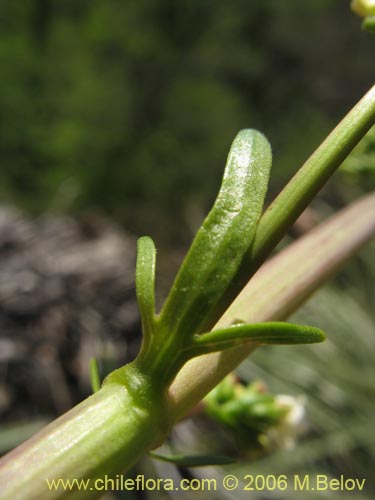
column 94, row 375
column 194, row 460
column 260, row 333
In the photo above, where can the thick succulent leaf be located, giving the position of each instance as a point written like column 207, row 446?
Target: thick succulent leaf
column 224, row 237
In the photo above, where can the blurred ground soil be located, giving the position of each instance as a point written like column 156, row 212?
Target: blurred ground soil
column 66, row 295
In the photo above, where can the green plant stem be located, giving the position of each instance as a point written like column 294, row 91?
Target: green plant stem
column 275, row 292
column 105, row 433
column 112, row 429
column 312, row 176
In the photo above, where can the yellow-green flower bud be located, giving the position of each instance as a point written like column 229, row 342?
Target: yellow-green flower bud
column 363, row 8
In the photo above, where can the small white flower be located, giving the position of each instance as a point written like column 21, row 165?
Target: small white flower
column 292, row 424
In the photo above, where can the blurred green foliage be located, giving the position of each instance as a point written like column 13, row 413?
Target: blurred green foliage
column 131, row 106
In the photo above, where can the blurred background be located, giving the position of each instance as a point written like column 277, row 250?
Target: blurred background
column 115, row 121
